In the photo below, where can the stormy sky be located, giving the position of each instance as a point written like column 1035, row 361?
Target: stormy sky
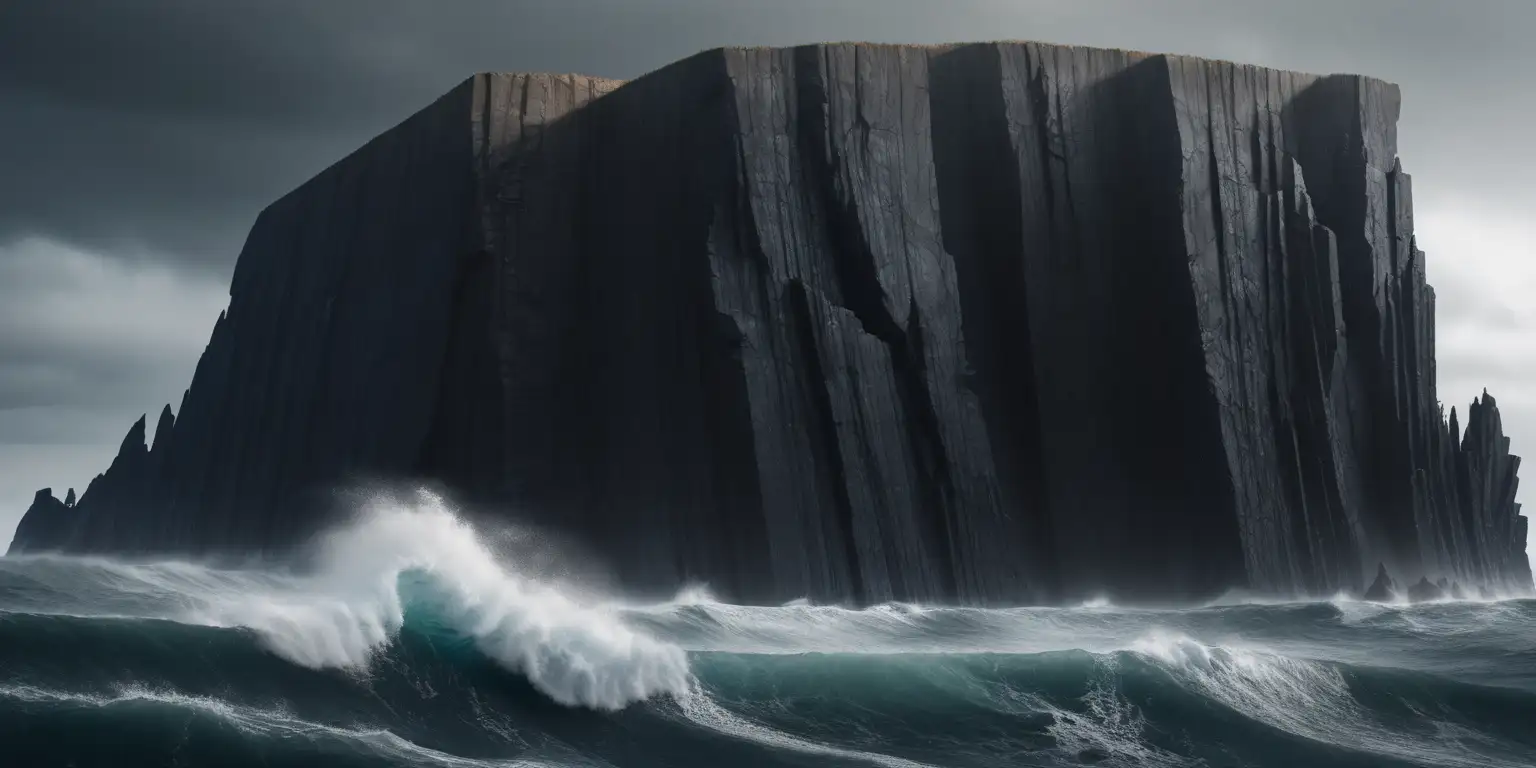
column 139, row 139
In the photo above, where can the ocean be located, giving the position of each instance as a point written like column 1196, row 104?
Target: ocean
column 409, row 638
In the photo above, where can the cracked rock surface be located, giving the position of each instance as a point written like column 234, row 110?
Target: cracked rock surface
column 991, row 323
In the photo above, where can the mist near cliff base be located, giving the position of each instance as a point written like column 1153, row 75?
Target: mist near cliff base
column 507, row 535
column 407, row 635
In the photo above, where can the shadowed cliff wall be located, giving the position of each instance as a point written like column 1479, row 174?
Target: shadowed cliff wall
column 996, row 323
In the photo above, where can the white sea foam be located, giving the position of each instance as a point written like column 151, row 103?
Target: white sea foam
column 347, row 606
column 257, row 720
column 703, row 711
column 698, row 623
column 1308, row 698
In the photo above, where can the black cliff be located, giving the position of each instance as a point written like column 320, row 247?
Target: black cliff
column 991, row 323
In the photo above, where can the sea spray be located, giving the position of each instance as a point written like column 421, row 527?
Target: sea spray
column 1308, row 698
column 349, row 607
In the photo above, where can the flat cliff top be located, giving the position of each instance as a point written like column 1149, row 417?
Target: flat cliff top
column 932, row 47
column 605, row 85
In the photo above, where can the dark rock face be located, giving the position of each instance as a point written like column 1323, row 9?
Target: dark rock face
column 1382, row 588
column 47, row 523
column 1000, row 323
column 1423, row 590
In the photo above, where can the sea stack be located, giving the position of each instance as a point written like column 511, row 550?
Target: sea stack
column 1001, row 323
column 1382, row 588
column 1425, row 590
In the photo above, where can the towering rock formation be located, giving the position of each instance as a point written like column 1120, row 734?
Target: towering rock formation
column 996, row 323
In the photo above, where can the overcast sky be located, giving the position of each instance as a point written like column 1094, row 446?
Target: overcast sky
column 139, row 139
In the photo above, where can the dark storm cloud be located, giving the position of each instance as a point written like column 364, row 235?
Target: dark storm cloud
column 143, row 185
column 89, row 337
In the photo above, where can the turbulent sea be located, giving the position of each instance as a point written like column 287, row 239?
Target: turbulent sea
column 405, row 639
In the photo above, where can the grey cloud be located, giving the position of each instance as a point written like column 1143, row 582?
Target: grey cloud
column 145, row 186
column 1464, row 300
column 267, row 62
column 1475, row 369
column 1495, row 315
column 85, row 340
column 90, row 382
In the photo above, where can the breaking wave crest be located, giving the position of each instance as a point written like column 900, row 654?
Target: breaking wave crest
column 349, row 602
column 352, row 605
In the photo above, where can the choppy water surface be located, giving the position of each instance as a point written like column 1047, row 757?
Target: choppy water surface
column 406, row 641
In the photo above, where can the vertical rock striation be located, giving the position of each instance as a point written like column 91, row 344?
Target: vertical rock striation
column 992, row 323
